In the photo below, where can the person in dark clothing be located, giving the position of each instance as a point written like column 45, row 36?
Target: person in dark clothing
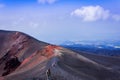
column 48, row 74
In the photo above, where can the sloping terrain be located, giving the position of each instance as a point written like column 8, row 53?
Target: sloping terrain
column 36, row 60
column 17, row 44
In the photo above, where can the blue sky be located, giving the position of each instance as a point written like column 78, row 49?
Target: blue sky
column 55, row 21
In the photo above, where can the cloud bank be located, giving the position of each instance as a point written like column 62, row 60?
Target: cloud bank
column 91, row 13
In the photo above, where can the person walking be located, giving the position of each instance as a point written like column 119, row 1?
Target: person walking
column 48, row 74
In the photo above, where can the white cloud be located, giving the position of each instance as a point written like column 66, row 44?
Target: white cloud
column 116, row 17
column 47, row 1
column 91, row 13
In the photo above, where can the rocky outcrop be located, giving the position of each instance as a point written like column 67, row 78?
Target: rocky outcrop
column 16, row 44
column 11, row 65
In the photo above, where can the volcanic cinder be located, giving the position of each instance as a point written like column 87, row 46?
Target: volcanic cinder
column 24, row 58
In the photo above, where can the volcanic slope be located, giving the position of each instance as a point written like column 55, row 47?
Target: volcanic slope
column 37, row 60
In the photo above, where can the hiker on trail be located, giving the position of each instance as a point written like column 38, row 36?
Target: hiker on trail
column 48, row 74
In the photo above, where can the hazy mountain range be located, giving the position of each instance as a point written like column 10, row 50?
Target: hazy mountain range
column 109, row 48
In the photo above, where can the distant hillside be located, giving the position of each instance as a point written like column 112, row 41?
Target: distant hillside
column 25, row 58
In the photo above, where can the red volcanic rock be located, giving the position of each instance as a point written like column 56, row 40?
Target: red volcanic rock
column 25, row 58
column 17, row 44
column 49, row 50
